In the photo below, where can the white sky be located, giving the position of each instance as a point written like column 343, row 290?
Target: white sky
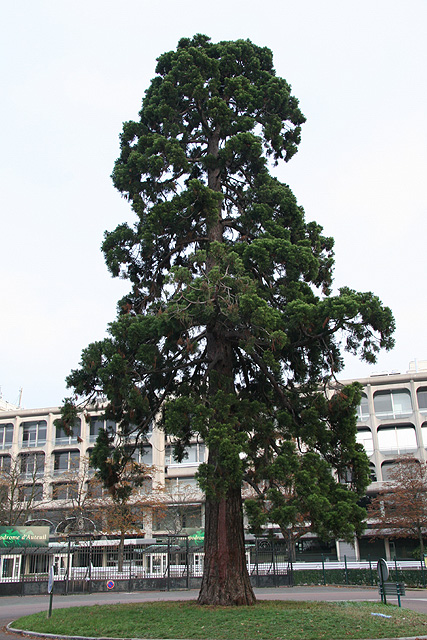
column 73, row 70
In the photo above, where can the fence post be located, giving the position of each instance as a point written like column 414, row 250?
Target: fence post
column 323, row 569
column 396, row 575
column 90, row 566
column 256, row 561
column 187, row 560
column 370, row 570
column 273, row 554
column 130, row 567
column 422, row 572
column 169, row 563
column 346, row 571
column 23, row 564
column 67, row 575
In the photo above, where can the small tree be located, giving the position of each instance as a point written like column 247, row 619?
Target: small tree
column 81, row 490
column 183, row 507
column 315, row 487
column 22, row 488
column 230, row 328
column 400, row 508
column 131, row 494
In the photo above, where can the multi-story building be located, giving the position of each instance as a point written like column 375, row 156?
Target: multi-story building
column 392, row 420
column 51, row 463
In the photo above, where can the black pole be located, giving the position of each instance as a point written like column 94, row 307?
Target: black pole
column 187, row 558
column 256, row 561
column 169, row 571
column 323, row 568
column 370, row 570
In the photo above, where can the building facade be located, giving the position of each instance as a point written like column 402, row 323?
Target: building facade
column 54, row 474
column 392, row 421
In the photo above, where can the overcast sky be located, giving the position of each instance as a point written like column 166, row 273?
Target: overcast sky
column 73, row 70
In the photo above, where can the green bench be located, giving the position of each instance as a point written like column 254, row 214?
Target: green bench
column 391, row 589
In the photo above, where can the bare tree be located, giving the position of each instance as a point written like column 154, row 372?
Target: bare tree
column 126, row 505
column 183, row 502
column 400, row 508
column 82, row 493
column 22, row 488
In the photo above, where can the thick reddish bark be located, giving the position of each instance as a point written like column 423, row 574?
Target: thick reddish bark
column 225, row 578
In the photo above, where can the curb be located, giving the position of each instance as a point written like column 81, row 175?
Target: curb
column 36, row 634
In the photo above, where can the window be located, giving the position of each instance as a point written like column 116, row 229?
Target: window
column 363, row 409
column 38, row 563
column 364, row 437
column 31, row 493
column 392, row 404
column 187, row 485
column 195, row 454
column 95, row 489
column 5, row 463
column 399, row 438
column 386, row 469
column 6, row 435
column 178, row 517
column 61, row 437
column 372, row 472
column 34, row 433
column 97, row 423
column 192, row 517
column 64, row 491
column 132, row 430
column 145, row 456
column 422, row 400
column 66, row 461
column 32, row 464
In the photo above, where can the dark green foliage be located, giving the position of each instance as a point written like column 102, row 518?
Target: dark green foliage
column 230, row 329
column 363, row 577
column 302, row 482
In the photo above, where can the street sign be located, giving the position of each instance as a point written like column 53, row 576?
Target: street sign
column 50, row 590
column 382, row 569
column 110, row 584
column 51, row 577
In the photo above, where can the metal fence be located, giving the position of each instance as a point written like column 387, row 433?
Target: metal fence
column 350, row 572
column 171, row 562
column 176, row 562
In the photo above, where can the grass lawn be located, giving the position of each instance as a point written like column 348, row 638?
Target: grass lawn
column 267, row 620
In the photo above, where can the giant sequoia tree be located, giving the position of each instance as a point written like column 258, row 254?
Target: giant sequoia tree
column 230, row 330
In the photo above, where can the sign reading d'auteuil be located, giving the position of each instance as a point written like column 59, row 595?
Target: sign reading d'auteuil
column 24, row 537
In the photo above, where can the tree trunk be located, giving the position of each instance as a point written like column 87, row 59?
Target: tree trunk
column 121, row 552
column 420, row 538
column 225, row 577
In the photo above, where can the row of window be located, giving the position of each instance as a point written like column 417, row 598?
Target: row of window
column 396, row 438
column 69, row 490
column 34, row 432
column 393, row 404
column 386, row 468
column 60, row 491
column 31, row 464
column 193, row 454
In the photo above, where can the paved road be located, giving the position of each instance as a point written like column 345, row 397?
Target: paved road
column 13, row 607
